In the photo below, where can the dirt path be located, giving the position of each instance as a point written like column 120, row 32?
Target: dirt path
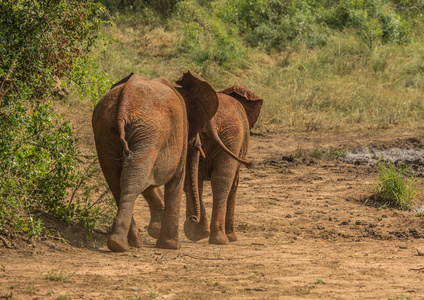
column 304, row 232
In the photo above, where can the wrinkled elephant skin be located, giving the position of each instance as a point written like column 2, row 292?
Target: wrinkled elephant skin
column 224, row 140
column 142, row 131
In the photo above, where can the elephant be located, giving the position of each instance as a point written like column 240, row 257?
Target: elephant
column 224, row 140
column 142, row 128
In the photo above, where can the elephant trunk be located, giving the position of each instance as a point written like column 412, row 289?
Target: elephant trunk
column 192, row 181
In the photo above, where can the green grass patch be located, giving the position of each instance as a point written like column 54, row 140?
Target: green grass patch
column 153, row 293
column 328, row 153
column 420, row 214
column 57, row 275
column 395, row 188
column 319, row 281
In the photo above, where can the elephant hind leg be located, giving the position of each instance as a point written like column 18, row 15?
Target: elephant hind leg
column 231, row 203
column 112, row 171
column 221, row 187
column 135, row 178
column 134, row 237
column 154, row 198
column 169, row 233
column 119, row 240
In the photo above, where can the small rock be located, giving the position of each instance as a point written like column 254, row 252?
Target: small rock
column 288, row 158
column 420, row 251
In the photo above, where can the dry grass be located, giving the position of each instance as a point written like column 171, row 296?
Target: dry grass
column 321, row 90
column 342, row 87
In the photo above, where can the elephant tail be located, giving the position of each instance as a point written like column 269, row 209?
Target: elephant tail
column 122, row 114
column 217, row 139
column 121, row 130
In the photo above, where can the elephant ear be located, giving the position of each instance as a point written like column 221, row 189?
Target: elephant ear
column 122, row 81
column 201, row 101
column 251, row 102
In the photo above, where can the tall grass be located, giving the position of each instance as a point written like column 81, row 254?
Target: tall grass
column 322, row 90
column 342, row 85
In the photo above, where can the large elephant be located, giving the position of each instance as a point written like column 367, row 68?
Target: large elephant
column 142, row 129
column 225, row 140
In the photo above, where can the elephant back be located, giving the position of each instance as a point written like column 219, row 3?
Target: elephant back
column 122, row 81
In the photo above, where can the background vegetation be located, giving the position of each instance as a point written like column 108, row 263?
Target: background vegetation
column 320, row 66
column 41, row 172
column 395, row 189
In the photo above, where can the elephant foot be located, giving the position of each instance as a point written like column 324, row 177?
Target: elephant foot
column 232, row 236
column 154, row 229
column 195, row 231
column 116, row 243
column 135, row 240
column 219, row 238
column 168, row 244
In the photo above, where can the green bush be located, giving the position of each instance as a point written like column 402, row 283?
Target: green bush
column 89, row 81
column 394, row 188
column 276, row 24
column 374, row 20
column 161, row 7
column 39, row 156
column 37, row 45
column 206, row 38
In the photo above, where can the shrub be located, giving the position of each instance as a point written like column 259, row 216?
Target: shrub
column 394, row 189
column 40, row 161
column 162, row 7
column 90, row 82
column 206, row 38
column 39, row 157
column 276, row 24
column 48, row 45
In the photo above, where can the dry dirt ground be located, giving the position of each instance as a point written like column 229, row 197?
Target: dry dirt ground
column 306, row 231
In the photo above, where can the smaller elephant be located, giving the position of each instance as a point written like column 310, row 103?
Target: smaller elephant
column 142, row 130
column 225, row 140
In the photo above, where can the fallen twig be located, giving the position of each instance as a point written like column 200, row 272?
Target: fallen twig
column 88, row 156
column 205, row 258
column 417, row 269
column 101, row 231
column 6, row 244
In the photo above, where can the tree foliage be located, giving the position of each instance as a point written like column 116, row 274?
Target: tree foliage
column 39, row 43
column 276, row 24
column 40, row 40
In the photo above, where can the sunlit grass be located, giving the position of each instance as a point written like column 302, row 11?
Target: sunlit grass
column 53, row 275
column 343, row 86
column 395, row 188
